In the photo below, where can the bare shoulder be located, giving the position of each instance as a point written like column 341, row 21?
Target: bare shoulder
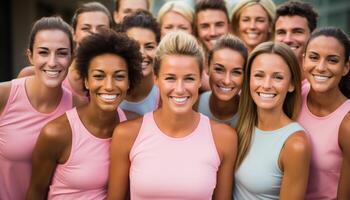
column 225, row 138
column 298, row 142
column 344, row 132
column 127, row 131
column 131, row 115
column 5, row 89
column 27, row 71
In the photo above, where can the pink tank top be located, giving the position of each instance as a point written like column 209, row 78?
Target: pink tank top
column 20, row 125
column 169, row 168
column 85, row 174
column 326, row 157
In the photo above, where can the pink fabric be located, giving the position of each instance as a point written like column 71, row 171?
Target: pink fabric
column 66, row 84
column 166, row 168
column 20, row 125
column 85, row 174
column 326, row 154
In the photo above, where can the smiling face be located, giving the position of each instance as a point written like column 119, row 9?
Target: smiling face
column 88, row 23
column 226, row 73
column 107, row 81
column 51, row 56
column 211, row 24
column 173, row 21
column 324, row 63
column 293, row 31
column 178, row 81
column 148, row 44
column 254, row 26
column 270, row 80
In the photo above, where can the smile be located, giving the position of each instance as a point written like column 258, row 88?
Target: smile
column 180, row 100
column 52, row 73
column 320, row 78
column 266, row 95
column 108, row 97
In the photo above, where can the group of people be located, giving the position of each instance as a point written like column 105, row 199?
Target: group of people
column 190, row 104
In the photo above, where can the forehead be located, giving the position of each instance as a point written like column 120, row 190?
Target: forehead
column 141, row 34
column 270, row 63
column 254, row 10
column 92, row 18
column 52, row 37
column 326, row 45
column 107, row 62
column 291, row 22
column 179, row 64
column 211, row 16
column 174, row 17
column 229, row 57
column 133, row 4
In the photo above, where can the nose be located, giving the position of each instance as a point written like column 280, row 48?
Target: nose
column 52, row 60
column 287, row 38
column 321, row 65
column 252, row 24
column 179, row 87
column 227, row 79
column 108, row 83
column 212, row 31
column 266, row 83
column 142, row 51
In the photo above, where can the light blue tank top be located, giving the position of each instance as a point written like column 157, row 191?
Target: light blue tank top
column 259, row 176
column 203, row 107
column 148, row 104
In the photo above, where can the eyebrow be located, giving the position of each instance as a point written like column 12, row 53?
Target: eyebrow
column 45, row 48
column 99, row 70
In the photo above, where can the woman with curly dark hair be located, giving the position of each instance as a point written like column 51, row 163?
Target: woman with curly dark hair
column 71, row 156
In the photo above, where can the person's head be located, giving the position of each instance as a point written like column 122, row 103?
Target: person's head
column 252, row 21
column 127, row 7
column 143, row 27
column 178, row 67
column 294, row 24
column 174, row 16
column 226, row 63
column 50, row 50
column 271, row 82
column 90, row 18
column 326, row 60
column 211, row 21
column 110, row 64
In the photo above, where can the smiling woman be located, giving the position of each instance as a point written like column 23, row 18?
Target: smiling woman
column 173, row 152
column 109, row 63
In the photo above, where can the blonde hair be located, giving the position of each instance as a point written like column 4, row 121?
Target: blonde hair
column 268, row 5
column 178, row 7
column 247, row 110
column 178, row 43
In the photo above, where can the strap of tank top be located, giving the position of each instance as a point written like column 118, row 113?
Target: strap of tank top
column 121, row 115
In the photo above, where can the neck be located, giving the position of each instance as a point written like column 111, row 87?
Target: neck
column 223, row 109
column 142, row 90
column 272, row 119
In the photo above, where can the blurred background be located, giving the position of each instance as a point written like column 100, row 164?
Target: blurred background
column 17, row 17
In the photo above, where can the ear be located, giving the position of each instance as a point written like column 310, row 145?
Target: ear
column 346, row 68
column 115, row 16
column 86, row 83
column 291, row 87
column 30, row 56
column 155, row 80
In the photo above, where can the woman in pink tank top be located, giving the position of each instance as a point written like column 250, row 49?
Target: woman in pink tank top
column 27, row 104
column 71, row 157
column 325, row 113
column 173, row 153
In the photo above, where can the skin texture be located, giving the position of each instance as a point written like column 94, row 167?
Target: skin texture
column 295, row 155
column 254, row 26
column 107, row 75
column 178, row 81
column 126, row 7
column 211, row 24
column 173, row 21
column 324, row 65
column 293, row 31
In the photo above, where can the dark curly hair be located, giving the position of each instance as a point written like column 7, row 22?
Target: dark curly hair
column 108, row 41
column 140, row 19
column 301, row 9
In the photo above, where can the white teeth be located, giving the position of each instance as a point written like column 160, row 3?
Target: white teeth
column 321, row 78
column 293, row 48
column 252, row 35
column 212, row 42
column 108, row 97
column 52, row 73
column 180, row 100
column 266, row 95
column 226, row 89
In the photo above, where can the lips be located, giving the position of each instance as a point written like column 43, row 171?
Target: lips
column 180, row 100
column 108, row 97
column 145, row 63
column 321, row 78
column 52, row 73
column 266, row 95
column 253, row 36
column 225, row 89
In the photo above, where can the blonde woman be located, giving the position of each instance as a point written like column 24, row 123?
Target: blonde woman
column 274, row 153
column 175, row 16
column 252, row 21
column 173, row 152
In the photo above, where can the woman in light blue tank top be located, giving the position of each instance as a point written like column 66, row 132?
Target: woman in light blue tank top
column 226, row 63
column 273, row 152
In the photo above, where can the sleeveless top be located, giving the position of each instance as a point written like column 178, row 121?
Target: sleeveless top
column 204, row 108
column 168, row 168
column 150, row 103
column 259, row 175
column 20, row 125
column 85, row 174
column 326, row 156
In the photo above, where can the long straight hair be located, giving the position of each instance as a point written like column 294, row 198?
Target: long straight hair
column 247, row 110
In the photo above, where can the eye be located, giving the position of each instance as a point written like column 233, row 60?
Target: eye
column 150, row 46
column 280, row 32
column 85, row 29
column 169, row 78
column 120, row 77
column 62, row 53
column 168, row 27
column 43, row 53
column 237, row 72
column 183, row 28
column 245, row 19
column 219, row 70
column 258, row 75
column 220, row 24
column 333, row 60
column 278, row 77
column 190, row 78
column 313, row 57
column 98, row 76
column 261, row 20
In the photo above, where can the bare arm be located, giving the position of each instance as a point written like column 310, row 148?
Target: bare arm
column 48, row 152
column 294, row 162
column 123, row 139
column 27, row 71
column 5, row 89
column 225, row 139
column 344, row 142
column 131, row 115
